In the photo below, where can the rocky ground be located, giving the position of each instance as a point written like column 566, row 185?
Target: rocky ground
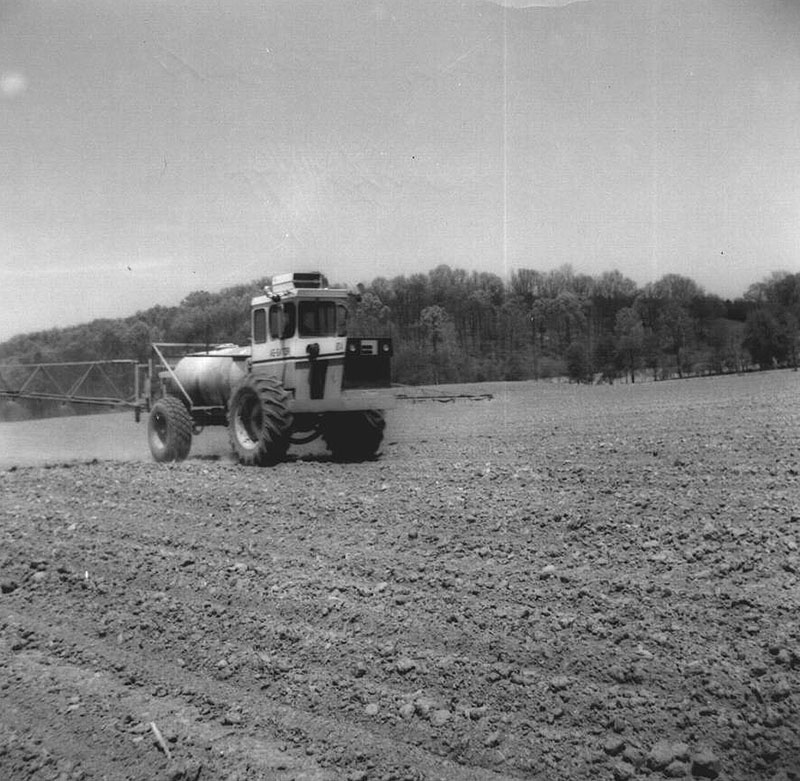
column 559, row 583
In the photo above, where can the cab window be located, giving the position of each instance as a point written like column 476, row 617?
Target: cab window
column 318, row 318
column 282, row 321
column 259, row 326
column 341, row 320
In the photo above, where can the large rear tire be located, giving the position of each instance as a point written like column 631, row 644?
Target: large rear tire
column 353, row 436
column 259, row 421
column 169, row 430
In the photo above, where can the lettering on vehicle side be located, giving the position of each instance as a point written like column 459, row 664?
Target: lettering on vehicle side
column 339, row 347
column 278, row 352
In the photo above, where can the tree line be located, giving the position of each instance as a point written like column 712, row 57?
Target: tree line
column 453, row 326
column 450, row 325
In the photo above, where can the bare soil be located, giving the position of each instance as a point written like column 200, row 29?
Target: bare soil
column 559, row 583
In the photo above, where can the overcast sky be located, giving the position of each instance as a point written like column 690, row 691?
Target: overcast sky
column 150, row 149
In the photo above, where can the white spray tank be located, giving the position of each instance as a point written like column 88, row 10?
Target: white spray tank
column 209, row 377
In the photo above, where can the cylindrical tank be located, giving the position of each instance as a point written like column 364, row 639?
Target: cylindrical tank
column 209, row 377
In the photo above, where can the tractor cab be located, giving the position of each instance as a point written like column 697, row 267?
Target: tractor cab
column 295, row 310
column 299, row 336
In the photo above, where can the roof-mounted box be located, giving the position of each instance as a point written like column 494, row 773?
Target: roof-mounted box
column 299, row 280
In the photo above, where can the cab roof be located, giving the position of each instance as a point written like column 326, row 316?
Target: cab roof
column 299, row 285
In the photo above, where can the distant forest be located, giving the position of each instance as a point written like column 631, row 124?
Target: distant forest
column 450, row 325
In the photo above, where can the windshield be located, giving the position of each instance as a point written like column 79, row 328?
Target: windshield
column 322, row 318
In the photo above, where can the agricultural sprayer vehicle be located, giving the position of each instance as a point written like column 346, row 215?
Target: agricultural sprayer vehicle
column 301, row 377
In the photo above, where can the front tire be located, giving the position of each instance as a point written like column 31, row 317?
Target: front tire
column 354, row 436
column 259, row 421
column 169, row 430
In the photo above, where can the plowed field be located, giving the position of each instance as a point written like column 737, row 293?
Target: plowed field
column 559, row 583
